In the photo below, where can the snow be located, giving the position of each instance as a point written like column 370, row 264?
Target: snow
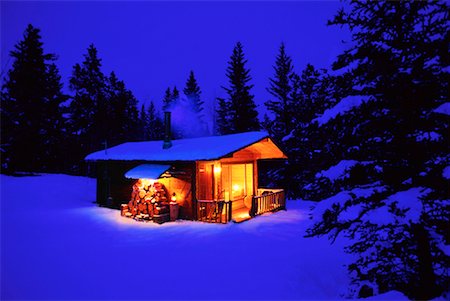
column 57, row 244
column 346, row 104
column 194, row 149
column 446, row 172
column 409, row 200
column 337, row 171
column 443, row 108
column 391, row 295
column 288, row 137
column 351, row 212
column 147, row 171
column 429, row 136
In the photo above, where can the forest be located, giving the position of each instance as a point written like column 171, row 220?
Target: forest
column 366, row 138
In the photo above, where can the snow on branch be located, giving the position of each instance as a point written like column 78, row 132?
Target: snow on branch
column 407, row 201
column 340, row 170
column 346, row 104
column 443, row 109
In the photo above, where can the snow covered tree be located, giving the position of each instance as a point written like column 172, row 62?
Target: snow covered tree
column 32, row 124
column 192, row 92
column 390, row 141
column 280, row 88
column 238, row 111
column 306, row 144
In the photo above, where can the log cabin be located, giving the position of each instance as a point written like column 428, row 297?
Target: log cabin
column 212, row 179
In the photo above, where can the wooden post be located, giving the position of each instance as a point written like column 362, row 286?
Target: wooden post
column 194, row 191
column 253, row 208
column 283, row 201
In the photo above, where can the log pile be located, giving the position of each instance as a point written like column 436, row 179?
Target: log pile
column 148, row 201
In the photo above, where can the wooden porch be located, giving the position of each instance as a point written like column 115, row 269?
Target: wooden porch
column 221, row 211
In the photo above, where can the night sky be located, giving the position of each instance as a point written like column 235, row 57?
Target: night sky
column 151, row 45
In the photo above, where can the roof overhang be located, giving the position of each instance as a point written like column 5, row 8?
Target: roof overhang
column 264, row 149
column 147, row 171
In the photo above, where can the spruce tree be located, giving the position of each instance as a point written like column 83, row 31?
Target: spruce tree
column 175, row 94
column 192, row 92
column 31, row 109
column 397, row 214
column 89, row 109
column 309, row 97
column 167, row 100
column 223, row 122
column 123, row 110
column 143, row 122
column 154, row 126
column 238, row 110
column 54, row 128
column 280, row 88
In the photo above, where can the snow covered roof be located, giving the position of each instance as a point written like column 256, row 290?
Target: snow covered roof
column 147, row 171
column 194, row 149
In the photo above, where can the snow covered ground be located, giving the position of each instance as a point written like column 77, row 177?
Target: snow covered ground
column 57, row 244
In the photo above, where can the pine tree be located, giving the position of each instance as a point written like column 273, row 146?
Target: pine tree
column 280, row 88
column 31, row 108
column 154, row 126
column 309, row 96
column 167, row 100
column 175, row 94
column 123, row 110
column 143, row 122
column 238, row 111
column 89, row 109
column 192, row 92
column 223, row 124
column 54, row 128
column 397, row 66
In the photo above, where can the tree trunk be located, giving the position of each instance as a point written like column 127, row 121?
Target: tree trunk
column 425, row 288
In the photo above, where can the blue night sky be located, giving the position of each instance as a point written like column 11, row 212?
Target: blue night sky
column 153, row 45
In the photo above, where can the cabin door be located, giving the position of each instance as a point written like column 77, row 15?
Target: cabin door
column 205, row 189
column 237, row 181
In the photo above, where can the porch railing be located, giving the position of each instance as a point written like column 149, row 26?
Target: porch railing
column 267, row 200
column 211, row 211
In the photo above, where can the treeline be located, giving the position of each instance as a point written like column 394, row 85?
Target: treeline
column 45, row 130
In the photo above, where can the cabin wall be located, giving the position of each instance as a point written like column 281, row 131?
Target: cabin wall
column 180, row 183
column 111, row 182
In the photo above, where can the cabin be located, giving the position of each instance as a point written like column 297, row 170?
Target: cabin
column 212, row 179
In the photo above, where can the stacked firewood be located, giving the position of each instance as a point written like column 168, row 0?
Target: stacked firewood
column 148, row 201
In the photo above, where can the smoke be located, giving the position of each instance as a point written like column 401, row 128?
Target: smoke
column 186, row 122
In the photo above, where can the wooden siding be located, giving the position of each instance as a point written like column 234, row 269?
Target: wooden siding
column 112, row 182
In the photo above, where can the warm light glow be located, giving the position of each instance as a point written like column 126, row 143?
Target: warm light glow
column 174, row 197
column 236, row 187
column 147, row 182
column 217, row 169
